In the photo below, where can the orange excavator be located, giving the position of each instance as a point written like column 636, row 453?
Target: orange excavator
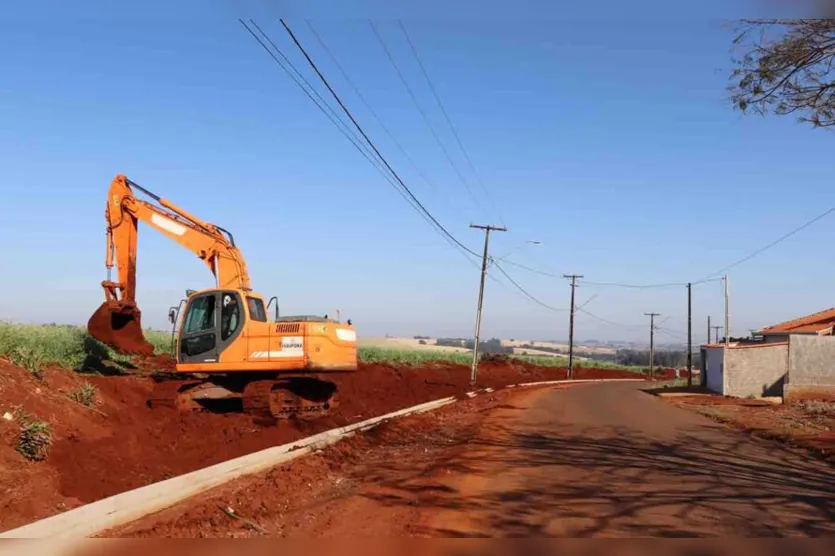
column 226, row 347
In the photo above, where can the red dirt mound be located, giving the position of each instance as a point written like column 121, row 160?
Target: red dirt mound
column 123, row 444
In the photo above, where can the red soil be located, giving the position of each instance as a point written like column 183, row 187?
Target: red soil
column 125, row 444
column 120, row 330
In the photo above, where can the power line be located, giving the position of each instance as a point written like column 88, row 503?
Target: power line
column 325, row 108
column 772, row 244
column 368, row 106
column 534, row 270
column 606, row 284
column 448, row 119
column 389, row 176
column 524, row 291
column 417, row 204
column 635, row 286
column 670, row 333
column 310, row 91
column 601, row 319
column 424, row 116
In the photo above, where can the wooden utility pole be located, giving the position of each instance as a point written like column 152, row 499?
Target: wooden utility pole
column 651, row 340
column 573, row 278
column 487, row 230
column 727, row 312
column 689, row 334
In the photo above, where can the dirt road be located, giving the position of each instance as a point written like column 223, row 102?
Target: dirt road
column 594, row 460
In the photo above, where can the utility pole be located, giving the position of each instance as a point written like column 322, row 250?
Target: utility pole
column 708, row 329
column 689, row 334
column 573, row 278
column 487, row 230
column 716, row 330
column 651, row 340
column 727, row 312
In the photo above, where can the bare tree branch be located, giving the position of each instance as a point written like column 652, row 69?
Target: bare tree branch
column 786, row 67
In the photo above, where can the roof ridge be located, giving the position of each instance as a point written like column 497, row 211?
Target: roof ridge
column 808, row 319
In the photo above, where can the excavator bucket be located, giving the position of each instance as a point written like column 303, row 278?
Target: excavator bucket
column 120, row 328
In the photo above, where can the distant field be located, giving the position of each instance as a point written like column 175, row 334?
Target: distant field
column 407, row 356
column 409, row 343
column 578, row 348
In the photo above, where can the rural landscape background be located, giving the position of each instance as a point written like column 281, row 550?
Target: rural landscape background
column 434, row 212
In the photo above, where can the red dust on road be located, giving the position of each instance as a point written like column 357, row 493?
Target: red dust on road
column 592, row 460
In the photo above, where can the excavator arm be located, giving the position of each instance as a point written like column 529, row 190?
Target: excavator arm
column 117, row 321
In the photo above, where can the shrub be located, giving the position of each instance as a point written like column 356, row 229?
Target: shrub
column 84, row 394
column 34, row 440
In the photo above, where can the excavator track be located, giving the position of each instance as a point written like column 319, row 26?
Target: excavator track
column 273, row 400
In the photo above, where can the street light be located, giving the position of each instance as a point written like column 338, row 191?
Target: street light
column 506, row 255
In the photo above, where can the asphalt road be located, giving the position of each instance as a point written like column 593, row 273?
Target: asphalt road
column 610, row 460
column 601, row 460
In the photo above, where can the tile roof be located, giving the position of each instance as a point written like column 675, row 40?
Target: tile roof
column 810, row 324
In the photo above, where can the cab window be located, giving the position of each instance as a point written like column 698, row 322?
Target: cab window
column 256, row 309
column 230, row 316
column 201, row 315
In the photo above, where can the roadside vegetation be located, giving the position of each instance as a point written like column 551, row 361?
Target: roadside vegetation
column 414, row 357
column 32, row 346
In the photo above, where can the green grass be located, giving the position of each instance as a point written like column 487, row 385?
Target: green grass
column 406, row 356
column 62, row 345
column 160, row 340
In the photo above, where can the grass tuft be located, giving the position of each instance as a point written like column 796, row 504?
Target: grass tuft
column 84, row 394
column 34, row 439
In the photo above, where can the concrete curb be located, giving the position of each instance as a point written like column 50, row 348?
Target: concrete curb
column 129, row 506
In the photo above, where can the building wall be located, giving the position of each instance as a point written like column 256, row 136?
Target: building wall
column 811, row 365
column 775, row 338
column 714, row 363
column 756, row 370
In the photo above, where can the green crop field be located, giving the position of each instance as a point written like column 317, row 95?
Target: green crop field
column 71, row 347
column 63, row 345
column 406, row 356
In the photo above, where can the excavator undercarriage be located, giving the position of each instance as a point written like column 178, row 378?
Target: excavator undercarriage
column 268, row 400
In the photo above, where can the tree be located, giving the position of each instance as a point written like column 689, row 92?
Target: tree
column 787, row 67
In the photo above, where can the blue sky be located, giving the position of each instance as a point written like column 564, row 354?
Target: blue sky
column 610, row 141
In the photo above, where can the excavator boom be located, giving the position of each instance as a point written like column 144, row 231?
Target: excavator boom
column 117, row 322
